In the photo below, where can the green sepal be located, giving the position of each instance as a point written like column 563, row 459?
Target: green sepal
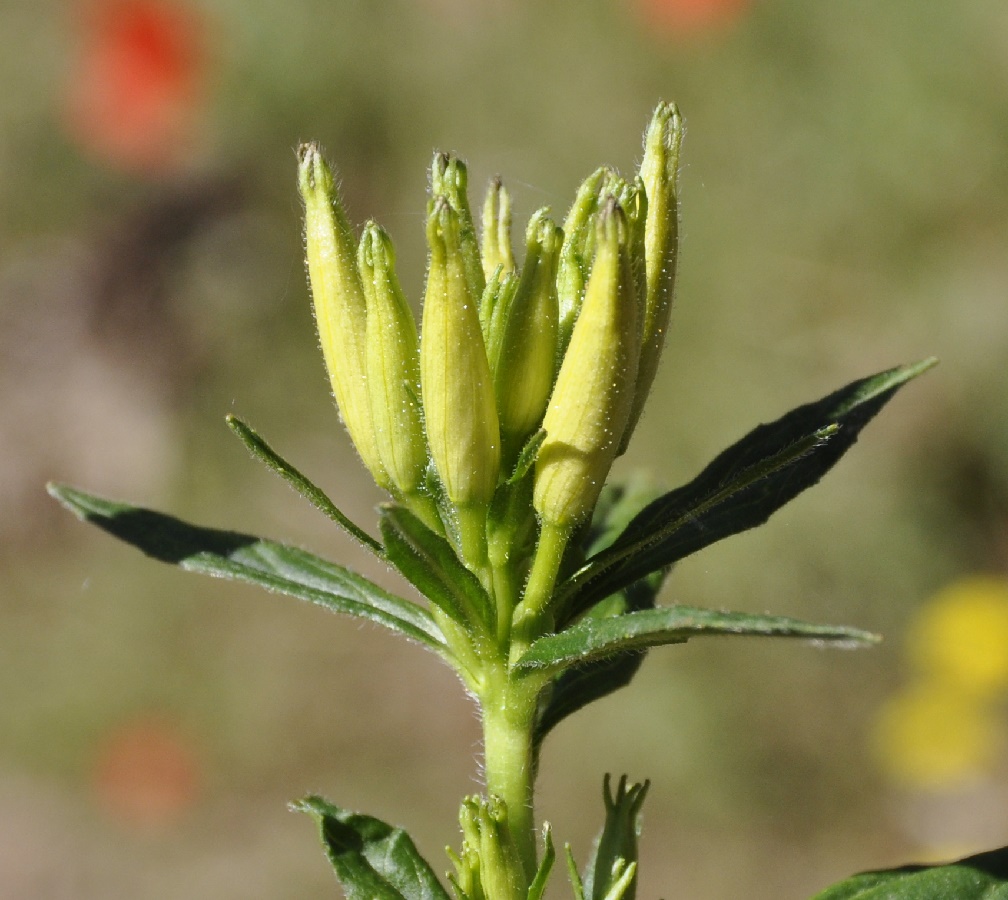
column 572, row 873
column 980, row 877
column 430, row 564
column 527, row 457
column 242, row 557
column 262, row 451
column 597, row 638
column 372, row 860
column 538, row 886
column 740, row 489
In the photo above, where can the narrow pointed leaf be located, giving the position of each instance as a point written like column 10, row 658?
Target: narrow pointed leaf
column 242, row 557
column 429, row 563
column 372, row 860
column 980, row 877
column 740, row 489
column 592, row 639
column 577, row 687
column 262, row 451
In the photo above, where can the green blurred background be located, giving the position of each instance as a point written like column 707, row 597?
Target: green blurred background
column 845, row 208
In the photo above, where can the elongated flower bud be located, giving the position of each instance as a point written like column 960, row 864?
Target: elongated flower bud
column 449, row 180
column 523, row 359
column 393, row 364
column 660, row 173
column 497, row 229
column 338, row 298
column 457, row 390
column 576, row 254
column 591, row 401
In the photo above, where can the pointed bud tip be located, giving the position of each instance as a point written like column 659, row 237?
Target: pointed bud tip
column 314, row 174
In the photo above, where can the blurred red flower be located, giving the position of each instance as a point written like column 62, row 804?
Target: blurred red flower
column 134, row 92
column 146, row 773
column 687, row 16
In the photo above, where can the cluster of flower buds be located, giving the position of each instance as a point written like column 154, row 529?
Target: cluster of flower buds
column 554, row 357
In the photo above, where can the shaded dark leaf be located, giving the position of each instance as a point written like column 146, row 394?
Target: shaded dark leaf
column 740, row 489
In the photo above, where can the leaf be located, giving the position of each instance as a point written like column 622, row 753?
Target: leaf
column 372, row 860
column 429, row 563
column 243, row 557
column 592, row 639
column 740, row 489
column 314, row 495
column 980, row 877
column 577, row 687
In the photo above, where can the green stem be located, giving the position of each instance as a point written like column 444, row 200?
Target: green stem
column 508, row 720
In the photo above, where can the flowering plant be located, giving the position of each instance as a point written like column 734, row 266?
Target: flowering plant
column 493, row 429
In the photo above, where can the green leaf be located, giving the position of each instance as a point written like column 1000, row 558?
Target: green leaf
column 429, row 563
column 740, row 489
column 372, row 860
column 314, row 495
column 592, row 639
column 243, row 557
column 576, row 687
column 980, row 877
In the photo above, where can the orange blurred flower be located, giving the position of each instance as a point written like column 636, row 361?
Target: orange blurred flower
column 146, row 773
column 133, row 94
column 687, row 16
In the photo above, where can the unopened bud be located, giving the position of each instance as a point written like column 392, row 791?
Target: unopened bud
column 660, row 174
column 576, row 254
column 450, row 180
column 616, row 848
column 393, row 364
column 591, row 401
column 497, row 229
column 458, row 401
column 338, row 298
column 485, row 830
column 523, row 361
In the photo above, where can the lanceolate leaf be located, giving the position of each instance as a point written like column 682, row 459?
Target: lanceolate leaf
column 592, row 639
column 981, row 877
column 314, row 495
column 243, row 557
column 576, row 687
column 740, row 489
column 372, row 860
column 428, row 562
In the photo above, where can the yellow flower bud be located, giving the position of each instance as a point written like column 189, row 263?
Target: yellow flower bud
column 338, row 299
column 523, row 354
column 576, row 254
column 660, row 173
column 450, row 179
column 497, row 229
column 591, row 401
column 457, row 390
column 393, row 364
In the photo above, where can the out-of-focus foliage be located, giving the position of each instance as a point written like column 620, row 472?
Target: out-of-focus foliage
column 845, row 205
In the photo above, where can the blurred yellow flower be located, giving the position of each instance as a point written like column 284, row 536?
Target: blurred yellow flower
column 961, row 636
column 930, row 735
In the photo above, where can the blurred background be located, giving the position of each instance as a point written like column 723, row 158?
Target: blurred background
column 845, row 208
